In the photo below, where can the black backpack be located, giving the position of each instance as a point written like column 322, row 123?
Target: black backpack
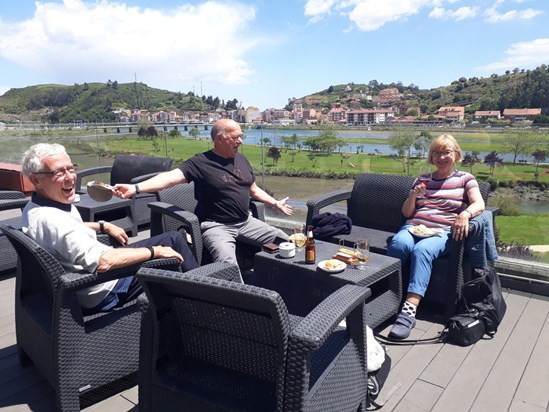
column 482, row 308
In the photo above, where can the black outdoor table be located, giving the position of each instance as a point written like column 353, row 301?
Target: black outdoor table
column 303, row 286
column 117, row 211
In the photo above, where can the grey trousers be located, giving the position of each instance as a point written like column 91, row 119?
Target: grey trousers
column 220, row 238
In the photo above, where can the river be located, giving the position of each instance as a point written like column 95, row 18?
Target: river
column 299, row 189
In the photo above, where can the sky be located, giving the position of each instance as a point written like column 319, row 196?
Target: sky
column 264, row 52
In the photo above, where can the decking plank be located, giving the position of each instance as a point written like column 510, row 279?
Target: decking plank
column 533, row 389
column 464, row 387
column 405, row 372
column 500, row 386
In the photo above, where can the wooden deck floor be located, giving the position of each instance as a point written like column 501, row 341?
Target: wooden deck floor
column 507, row 373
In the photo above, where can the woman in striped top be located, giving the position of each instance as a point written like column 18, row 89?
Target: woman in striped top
column 447, row 201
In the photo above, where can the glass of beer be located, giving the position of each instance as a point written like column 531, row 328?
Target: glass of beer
column 299, row 237
column 362, row 253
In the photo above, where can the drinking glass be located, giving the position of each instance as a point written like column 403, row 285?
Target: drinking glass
column 425, row 174
column 362, row 253
column 299, row 237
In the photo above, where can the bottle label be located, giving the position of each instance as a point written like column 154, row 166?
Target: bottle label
column 310, row 256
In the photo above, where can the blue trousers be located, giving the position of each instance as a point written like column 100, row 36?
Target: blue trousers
column 421, row 252
column 129, row 288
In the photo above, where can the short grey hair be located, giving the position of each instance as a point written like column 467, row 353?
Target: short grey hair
column 33, row 159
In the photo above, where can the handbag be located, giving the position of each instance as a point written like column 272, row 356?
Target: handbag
column 465, row 329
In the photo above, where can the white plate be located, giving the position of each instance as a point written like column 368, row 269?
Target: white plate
column 339, row 266
column 424, row 231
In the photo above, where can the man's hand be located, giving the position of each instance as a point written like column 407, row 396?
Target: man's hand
column 116, row 232
column 282, row 207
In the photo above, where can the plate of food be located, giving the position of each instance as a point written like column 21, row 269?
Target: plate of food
column 332, row 265
column 424, row 231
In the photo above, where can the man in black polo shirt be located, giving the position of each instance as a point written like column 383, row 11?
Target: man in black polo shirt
column 224, row 182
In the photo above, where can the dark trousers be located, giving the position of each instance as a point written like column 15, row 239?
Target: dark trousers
column 129, row 288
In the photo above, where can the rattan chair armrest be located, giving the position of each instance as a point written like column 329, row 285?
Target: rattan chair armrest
column 142, row 178
column 9, row 204
column 188, row 220
column 315, row 204
column 257, row 209
column 318, row 325
column 78, row 280
column 89, row 172
column 11, row 194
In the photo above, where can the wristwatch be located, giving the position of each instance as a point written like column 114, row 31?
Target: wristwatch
column 101, row 226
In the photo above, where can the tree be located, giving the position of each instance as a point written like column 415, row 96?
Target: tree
column 174, row 133
column 493, row 160
column 518, row 143
column 274, row 153
column 402, row 140
column 194, row 133
column 539, row 156
column 469, row 160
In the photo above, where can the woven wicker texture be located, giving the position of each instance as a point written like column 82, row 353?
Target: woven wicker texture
column 211, row 344
column 76, row 353
column 9, row 200
column 374, row 206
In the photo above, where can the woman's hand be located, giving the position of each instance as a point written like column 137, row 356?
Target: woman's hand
column 460, row 228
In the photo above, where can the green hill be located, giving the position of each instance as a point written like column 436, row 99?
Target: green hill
column 95, row 102
column 514, row 89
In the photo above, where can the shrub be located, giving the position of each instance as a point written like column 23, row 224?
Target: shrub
column 493, row 183
column 507, row 201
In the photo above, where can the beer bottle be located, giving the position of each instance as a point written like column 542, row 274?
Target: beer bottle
column 310, row 248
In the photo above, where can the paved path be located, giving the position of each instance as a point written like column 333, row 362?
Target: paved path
column 539, row 248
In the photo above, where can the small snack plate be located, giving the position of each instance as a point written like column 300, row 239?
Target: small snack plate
column 332, row 266
column 423, row 231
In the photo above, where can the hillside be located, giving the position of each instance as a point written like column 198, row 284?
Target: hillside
column 95, row 102
column 514, row 89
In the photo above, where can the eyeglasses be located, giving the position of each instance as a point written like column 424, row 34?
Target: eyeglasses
column 59, row 173
column 445, row 154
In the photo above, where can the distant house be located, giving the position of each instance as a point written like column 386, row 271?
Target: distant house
column 369, row 116
column 337, row 113
column 518, row 115
column 487, row 114
column 451, row 113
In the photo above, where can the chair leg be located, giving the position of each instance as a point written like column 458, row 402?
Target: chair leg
column 24, row 359
column 67, row 399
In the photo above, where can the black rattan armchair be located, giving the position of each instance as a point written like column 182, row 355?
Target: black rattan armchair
column 175, row 211
column 130, row 169
column 10, row 200
column 374, row 205
column 77, row 354
column 208, row 344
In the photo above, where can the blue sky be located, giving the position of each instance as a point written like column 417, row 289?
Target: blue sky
column 263, row 52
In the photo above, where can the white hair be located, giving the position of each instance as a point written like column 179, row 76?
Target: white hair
column 33, row 159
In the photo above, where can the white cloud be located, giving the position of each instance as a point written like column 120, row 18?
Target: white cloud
column 462, row 13
column 316, row 9
column 524, row 55
column 76, row 41
column 493, row 16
